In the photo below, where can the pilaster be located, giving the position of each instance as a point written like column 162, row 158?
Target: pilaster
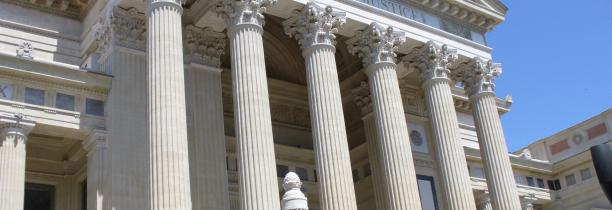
column 433, row 62
column 376, row 46
column 314, row 27
column 258, row 186
column 14, row 130
column 207, row 152
column 96, row 146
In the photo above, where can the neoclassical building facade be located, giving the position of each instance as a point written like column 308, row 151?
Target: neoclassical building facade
column 204, row 104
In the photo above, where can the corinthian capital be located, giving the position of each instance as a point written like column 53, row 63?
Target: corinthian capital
column 434, row 61
column 376, row 44
column 479, row 76
column 237, row 12
column 204, row 46
column 122, row 27
column 362, row 97
column 314, row 25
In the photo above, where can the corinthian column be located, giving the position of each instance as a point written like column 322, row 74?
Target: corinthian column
column 485, row 201
column 258, row 186
column 478, row 77
column 13, row 135
column 166, row 120
column 527, row 202
column 362, row 98
column 433, row 63
column 207, row 153
column 314, row 28
column 96, row 145
column 376, row 46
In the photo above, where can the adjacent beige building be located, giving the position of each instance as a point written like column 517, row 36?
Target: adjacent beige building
column 207, row 104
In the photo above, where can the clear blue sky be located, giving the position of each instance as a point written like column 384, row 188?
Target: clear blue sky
column 557, row 65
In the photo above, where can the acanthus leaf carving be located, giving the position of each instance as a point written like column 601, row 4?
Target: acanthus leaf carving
column 25, row 50
column 314, row 25
column 479, row 76
column 434, row 61
column 376, row 44
column 362, row 97
column 122, row 27
column 204, row 46
column 237, row 12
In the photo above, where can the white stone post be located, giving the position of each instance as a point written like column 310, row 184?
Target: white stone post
column 294, row 198
column 362, row 98
column 376, row 46
column 433, row 63
column 13, row 136
column 95, row 145
column 258, row 186
column 314, row 28
column 485, row 201
column 166, row 112
column 478, row 77
column 207, row 152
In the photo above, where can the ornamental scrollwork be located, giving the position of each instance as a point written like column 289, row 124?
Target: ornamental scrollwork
column 25, row 50
column 204, row 46
column 376, row 44
column 126, row 28
column 237, row 12
column 434, row 61
column 314, row 24
column 479, row 76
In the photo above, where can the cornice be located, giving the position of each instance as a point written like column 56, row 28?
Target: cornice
column 74, row 9
column 471, row 11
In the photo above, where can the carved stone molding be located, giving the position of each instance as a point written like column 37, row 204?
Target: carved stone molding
column 413, row 101
column 238, row 12
column 314, row 25
column 362, row 97
column 479, row 76
column 376, row 44
column 125, row 28
column 204, row 46
column 434, row 61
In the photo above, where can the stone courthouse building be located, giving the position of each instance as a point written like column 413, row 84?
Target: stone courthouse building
column 204, row 104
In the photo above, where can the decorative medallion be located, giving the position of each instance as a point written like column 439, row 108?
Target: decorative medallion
column 416, row 138
column 577, row 139
column 25, row 50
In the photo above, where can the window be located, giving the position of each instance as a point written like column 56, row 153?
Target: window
column 541, row 183
column 427, row 192
column 585, row 174
column 554, row 185
column 94, row 107
column 64, row 101
column 570, row 180
column 39, row 197
column 34, row 96
column 355, row 175
column 367, row 170
column 530, row 181
column 281, row 170
column 302, row 172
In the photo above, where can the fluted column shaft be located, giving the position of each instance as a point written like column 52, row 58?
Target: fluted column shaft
column 497, row 166
column 166, row 120
column 447, row 143
column 395, row 154
column 369, row 125
column 96, row 146
column 479, row 84
column 13, row 136
column 209, row 186
column 328, row 129
column 258, row 186
column 527, row 202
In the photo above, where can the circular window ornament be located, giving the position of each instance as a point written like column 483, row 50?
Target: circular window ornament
column 416, row 138
column 577, row 139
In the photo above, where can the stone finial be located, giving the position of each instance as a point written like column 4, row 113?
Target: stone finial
column 293, row 199
column 434, row 61
column 237, row 12
column 376, row 44
column 204, row 46
column 313, row 25
column 479, row 76
column 25, row 50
